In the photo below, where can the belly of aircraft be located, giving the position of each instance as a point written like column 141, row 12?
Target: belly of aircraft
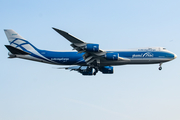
column 134, row 61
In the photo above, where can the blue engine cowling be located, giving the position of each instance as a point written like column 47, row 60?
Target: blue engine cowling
column 112, row 56
column 87, row 71
column 92, row 47
column 107, row 70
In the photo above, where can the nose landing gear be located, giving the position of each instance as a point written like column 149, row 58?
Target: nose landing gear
column 160, row 68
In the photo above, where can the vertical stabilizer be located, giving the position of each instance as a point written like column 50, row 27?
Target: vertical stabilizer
column 12, row 35
column 18, row 41
column 21, row 48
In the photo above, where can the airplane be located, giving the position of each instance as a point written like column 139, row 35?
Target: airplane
column 85, row 58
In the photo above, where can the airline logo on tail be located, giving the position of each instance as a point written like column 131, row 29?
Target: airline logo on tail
column 19, row 45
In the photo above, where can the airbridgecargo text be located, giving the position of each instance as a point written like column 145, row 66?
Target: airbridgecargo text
column 60, row 59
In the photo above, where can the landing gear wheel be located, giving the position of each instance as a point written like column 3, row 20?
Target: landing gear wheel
column 160, row 68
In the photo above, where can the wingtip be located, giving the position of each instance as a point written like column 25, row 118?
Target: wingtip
column 59, row 31
column 55, row 28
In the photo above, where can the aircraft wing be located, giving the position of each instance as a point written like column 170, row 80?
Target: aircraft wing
column 93, row 54
column 76, row 68
column 69, row 37
column 85, row 70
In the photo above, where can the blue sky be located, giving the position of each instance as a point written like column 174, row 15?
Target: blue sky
column 31, row 90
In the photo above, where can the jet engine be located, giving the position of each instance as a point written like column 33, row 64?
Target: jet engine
column 112, row 56
column 92, row 47
column 86, row 70
column 107, row 70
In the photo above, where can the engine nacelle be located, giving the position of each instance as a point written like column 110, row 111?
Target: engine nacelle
column 112, row 56
column 86, row 71
column 107, row 70
column 92, row 47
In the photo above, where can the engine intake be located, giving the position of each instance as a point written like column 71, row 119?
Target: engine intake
column 112, row 56
column 92, row 47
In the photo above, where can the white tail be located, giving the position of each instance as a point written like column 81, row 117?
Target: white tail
column 12, row 35
column 18, row 41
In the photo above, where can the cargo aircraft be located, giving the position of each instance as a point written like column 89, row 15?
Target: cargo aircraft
column 88, row 58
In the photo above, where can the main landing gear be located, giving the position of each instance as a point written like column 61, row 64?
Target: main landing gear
column 96, row 71
column 160, row 68
column 96, row 65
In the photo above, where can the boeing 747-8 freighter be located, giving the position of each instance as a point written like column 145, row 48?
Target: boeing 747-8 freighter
column 88, row 58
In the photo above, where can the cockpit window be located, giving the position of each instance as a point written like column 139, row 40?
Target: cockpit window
column 164, row 48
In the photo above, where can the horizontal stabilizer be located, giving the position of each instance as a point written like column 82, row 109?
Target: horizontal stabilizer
column 16, row 51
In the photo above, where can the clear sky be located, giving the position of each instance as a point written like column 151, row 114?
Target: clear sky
column 37, row 91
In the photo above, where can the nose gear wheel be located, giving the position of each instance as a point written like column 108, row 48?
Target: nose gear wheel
column 160, row 68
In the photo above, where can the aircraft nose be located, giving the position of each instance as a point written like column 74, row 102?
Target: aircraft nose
column 175, row 56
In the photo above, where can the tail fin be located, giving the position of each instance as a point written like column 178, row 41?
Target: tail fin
column 12, row 35
column 20, row 47
column 18, row 41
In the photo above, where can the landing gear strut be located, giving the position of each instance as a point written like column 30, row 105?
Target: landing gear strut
column 95, row 66
column 160, row 68
column 96, row 71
